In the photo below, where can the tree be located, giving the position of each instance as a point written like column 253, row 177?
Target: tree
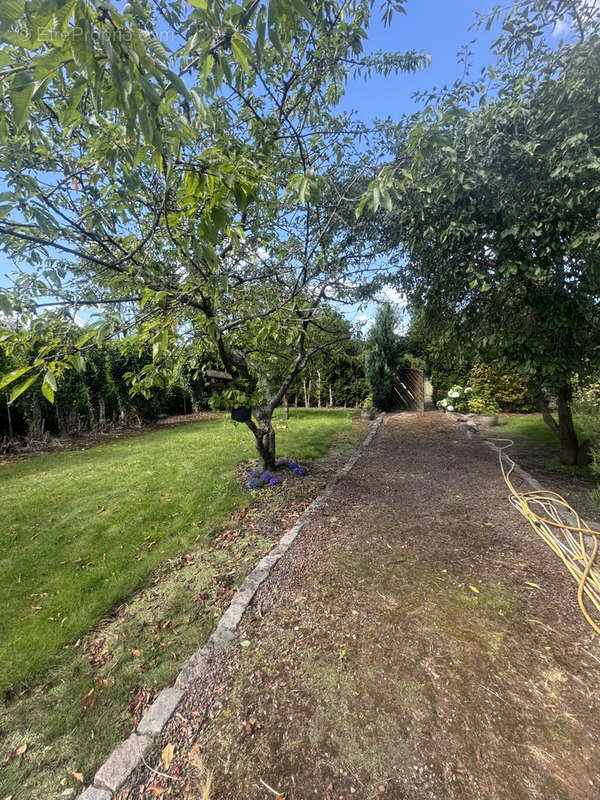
column 338, row 369
column 384, row 356
column 498, row 218
column 203, row 191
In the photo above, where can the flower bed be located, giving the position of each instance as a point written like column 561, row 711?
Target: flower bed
column 258, row 479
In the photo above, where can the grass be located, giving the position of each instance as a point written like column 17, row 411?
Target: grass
column 531, row 429
column 555, row 465
column 532, row 426
column 81, row 530
column 86, row 699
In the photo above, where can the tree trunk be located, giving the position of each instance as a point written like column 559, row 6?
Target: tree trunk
column 264, row 437
column 318, row 389
column 564, row 429
column 11, row 432
column 330, row 397
column 286, row 406
column 296, row 400
column 307, row 394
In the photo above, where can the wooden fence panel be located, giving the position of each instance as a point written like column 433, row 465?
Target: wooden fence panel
column 409, row 385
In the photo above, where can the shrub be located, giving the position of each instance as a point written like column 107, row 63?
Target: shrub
column 587, row 393
column 482, row 404
column 368, row 403
column 443, row 379
column 505, row 385
column 456, row 399
column 588, row 418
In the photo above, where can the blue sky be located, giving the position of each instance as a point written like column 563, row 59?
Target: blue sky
column 438, row 28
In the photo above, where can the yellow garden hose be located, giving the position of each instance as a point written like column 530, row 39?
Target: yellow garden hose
column 575, row 544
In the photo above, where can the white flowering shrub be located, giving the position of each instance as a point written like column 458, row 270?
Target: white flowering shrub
column 456, row 399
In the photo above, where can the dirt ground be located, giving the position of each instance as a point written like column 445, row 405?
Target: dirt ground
column 417, row 641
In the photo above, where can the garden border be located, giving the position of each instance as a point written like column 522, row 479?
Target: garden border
column 127, row 756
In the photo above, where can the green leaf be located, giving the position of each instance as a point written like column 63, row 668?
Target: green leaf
column 13, row 376
column 178, row 84
column 85, row 338
column 21, row 91
column 11, row 11
column 50, row 380
column 303, row 10
column 203, row 4
column 48, row 393
column 77, row 359
column 241, row 51
column 22, row 387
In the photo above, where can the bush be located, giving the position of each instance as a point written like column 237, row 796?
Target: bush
column 587, row 393
column 481, row 404
column 456, row 399
column 588, row 418
column 443, row 379
column 505, row 385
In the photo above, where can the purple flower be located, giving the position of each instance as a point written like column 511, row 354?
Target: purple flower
column 273, row 481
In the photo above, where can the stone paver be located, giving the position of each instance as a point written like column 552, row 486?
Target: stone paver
column 159, row 713
column 121, row 762
column 93, row 793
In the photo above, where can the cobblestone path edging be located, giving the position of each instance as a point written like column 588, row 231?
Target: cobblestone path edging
column 127, row 756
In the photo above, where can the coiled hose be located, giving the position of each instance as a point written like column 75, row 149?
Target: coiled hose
column 576, row 544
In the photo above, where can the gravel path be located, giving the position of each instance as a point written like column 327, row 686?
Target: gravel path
column 417, row 641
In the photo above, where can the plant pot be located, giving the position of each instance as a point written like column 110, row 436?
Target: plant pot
column 486, row 420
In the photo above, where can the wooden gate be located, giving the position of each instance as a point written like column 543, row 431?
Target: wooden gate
column 409, row 387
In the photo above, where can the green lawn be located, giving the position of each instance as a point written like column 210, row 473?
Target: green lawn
column 530, row 429
column 81, row 530
column 530, row 426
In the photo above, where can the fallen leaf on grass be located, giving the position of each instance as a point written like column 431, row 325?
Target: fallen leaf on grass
column 78, row 776
column 89, row 699
column 474, row 589
column 156, row 789
column 17, row 751
column 252, row 725
column 479, row 756
column 535, row 585
column 167, row 755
